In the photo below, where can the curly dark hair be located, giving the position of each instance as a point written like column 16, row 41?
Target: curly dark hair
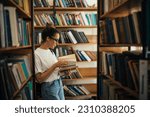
column 49, row 31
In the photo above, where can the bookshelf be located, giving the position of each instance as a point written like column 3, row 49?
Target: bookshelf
column 123, row 8
column 16, row 56
column 115, row 68
column 88, row 81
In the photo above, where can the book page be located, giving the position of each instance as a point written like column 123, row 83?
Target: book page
column 70, row 58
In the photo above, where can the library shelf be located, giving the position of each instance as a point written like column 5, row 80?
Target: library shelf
column 123, row 8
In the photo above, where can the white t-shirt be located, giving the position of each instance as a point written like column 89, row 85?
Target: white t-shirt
column 44, row 59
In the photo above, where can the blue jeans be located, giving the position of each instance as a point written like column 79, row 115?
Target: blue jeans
column 52, row 90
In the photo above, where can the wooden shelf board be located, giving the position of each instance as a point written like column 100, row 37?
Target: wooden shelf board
column 88, row 72
column 14, row 48
column 71, row 44
column 82, row 97
column 122, row 9
column 68, row 68
column 119, row 45
column 23, row 85
column 21, row 12
column 73, row 26
column 64, row 9
column 80, row 81
column 85, row 61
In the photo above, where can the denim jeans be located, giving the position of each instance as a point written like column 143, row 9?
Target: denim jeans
column 52, row 90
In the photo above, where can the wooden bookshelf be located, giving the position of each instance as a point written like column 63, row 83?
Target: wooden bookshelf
column 21, row 32
column 74, row 9
column 122, row 9
column 75, row 26
column 83, row 97
column 22, row 86
column 92, row 42
column 21, row 12
column 80, row 81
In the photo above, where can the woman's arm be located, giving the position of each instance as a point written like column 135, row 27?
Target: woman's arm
column 43, row 76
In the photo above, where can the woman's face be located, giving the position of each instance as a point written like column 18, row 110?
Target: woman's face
column 52, row 41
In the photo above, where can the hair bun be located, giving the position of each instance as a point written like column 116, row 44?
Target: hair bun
column 50, row 25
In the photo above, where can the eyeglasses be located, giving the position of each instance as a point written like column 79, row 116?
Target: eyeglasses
column 54, row 39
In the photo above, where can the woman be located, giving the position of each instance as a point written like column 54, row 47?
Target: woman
column 47, row 66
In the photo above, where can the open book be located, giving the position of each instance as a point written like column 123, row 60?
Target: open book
column 70, row 58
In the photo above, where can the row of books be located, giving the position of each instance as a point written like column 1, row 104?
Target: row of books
column 122, row 30
column 71, row 3
column 73, row 36
column 43, row 3
column 63, row 51
column 26, row 93
column 85, row 55
column 81, row 55
column 70, row 36
column 24, row 4
column 113, row 92
column 66, row 19
column 75, row 90
column 107, row 5
column 70, row 74
column 14, row 30
column 61, row 3
column 15, row 71
column 122, row 67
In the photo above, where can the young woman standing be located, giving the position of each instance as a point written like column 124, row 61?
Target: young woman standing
column 47, row 66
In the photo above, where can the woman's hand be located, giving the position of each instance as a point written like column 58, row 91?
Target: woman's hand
column 61, row 63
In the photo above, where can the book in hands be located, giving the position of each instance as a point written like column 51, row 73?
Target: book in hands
column 71, row 59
